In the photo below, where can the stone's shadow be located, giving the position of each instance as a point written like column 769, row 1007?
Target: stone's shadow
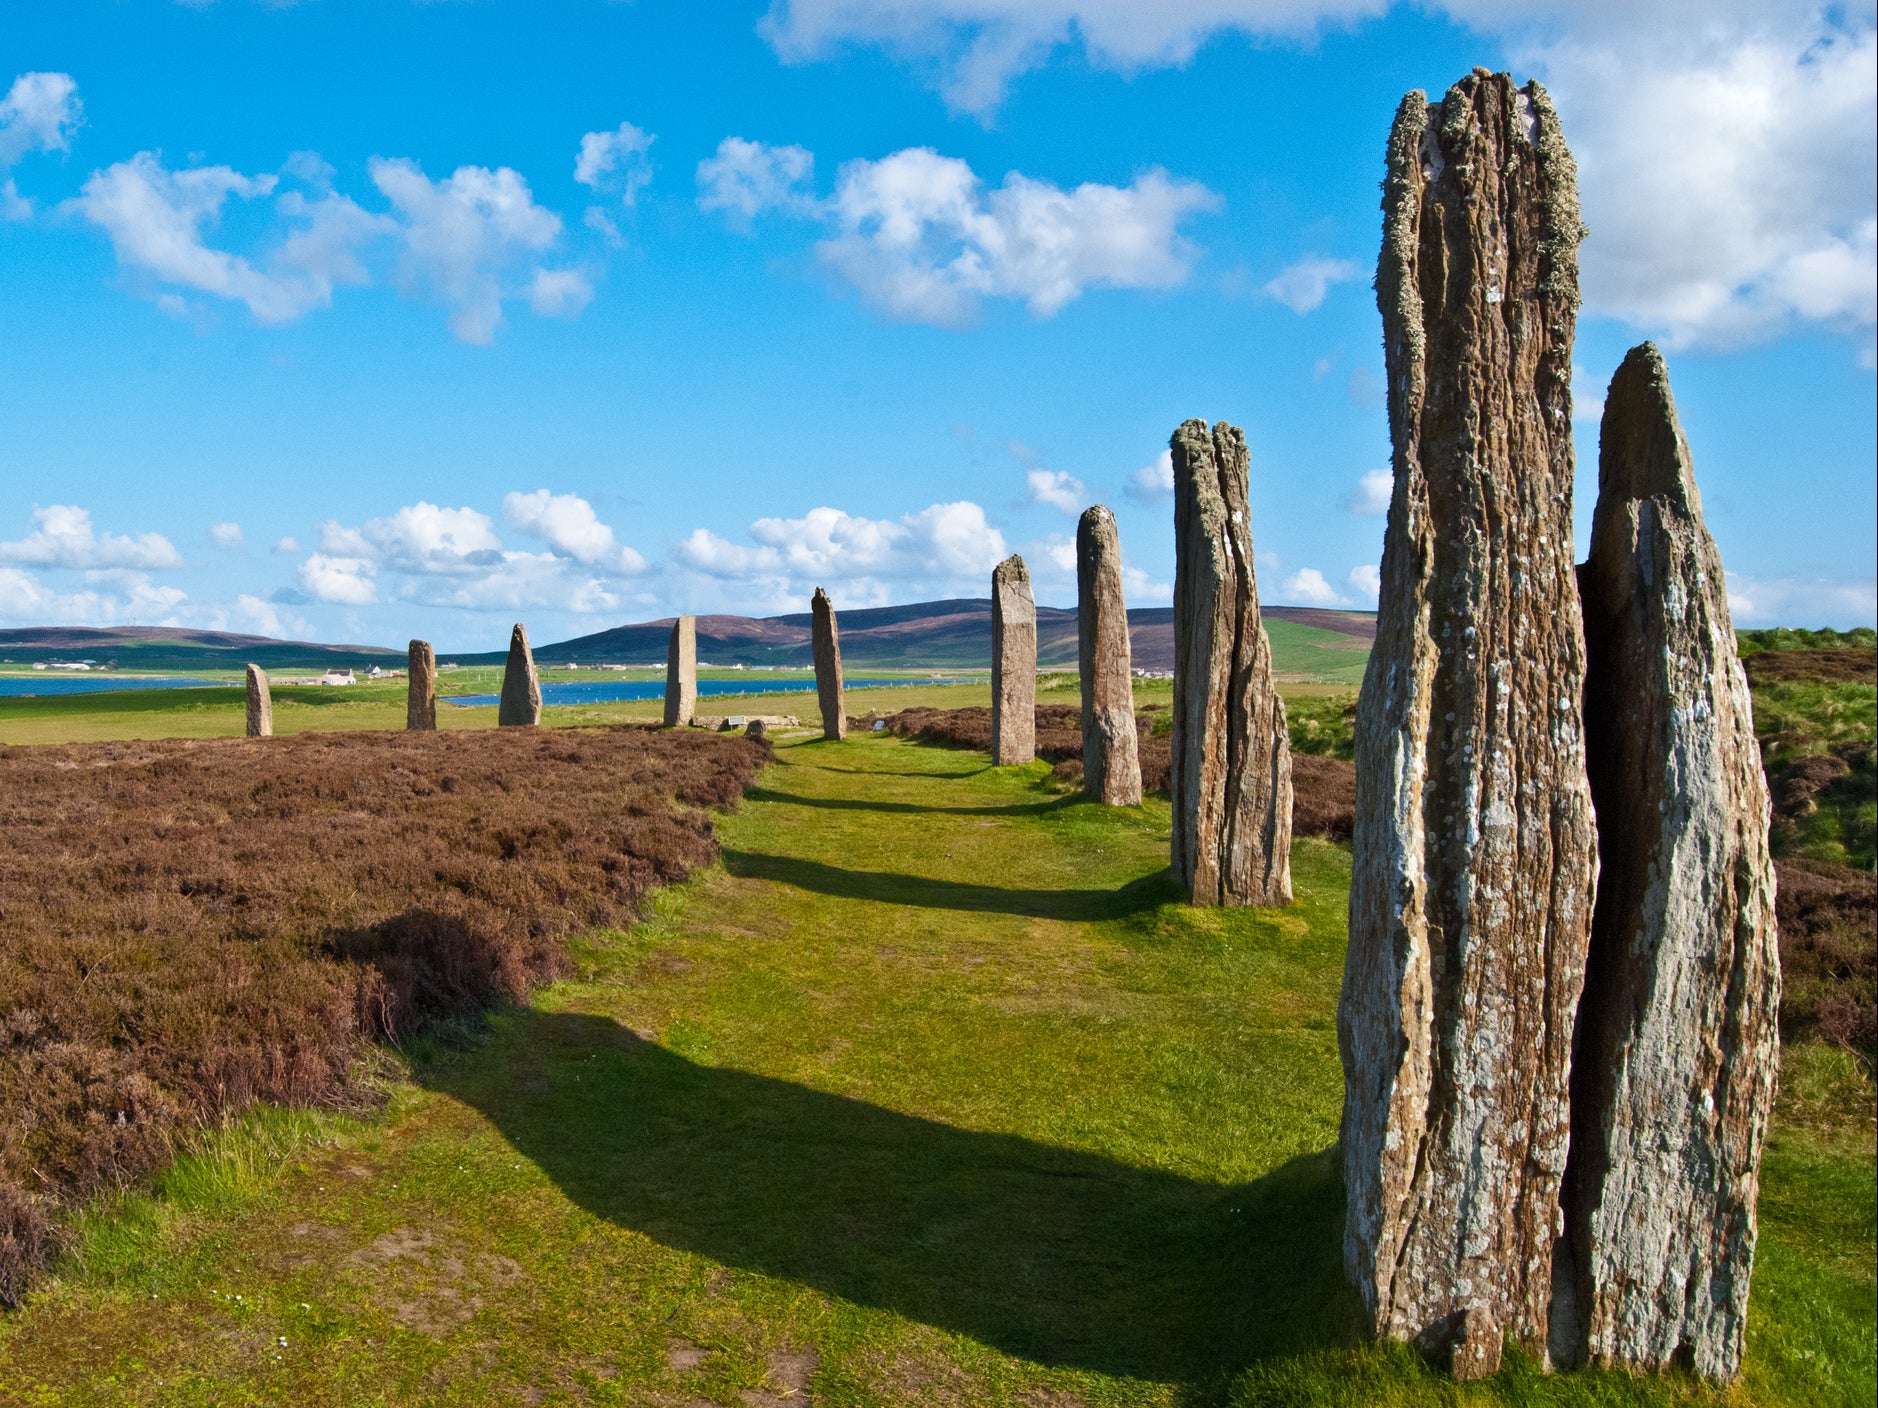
column 887, row 887
column 852, row 804
column 1066, row 1258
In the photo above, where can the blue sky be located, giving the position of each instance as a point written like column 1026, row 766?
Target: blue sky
column 365, row 319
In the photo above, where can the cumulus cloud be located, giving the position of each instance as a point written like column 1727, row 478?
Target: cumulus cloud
column 463, row 236
column 747, row 178
column 571, row 529
column 1057, row 489
column 1370, row 497
column 559, row 293
column 65, row 538
column 1153, row 483
column 616, row 162
column 287, row 544
column 1365, row 583
column 1801, row 601
column 341, row 581
column 225, row 535
column 1307, row 587
column 1302, row 286
column 922, row 240
column 25, row 599
column 39, row 113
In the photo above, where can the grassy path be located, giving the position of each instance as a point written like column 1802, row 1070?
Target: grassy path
column 927, row 1096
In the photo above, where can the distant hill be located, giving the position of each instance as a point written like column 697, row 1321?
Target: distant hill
column 954, row 634
column 171, row 648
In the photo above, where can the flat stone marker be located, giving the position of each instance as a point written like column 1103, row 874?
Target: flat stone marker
column 1231, row 773
column 260, row 704
column 420, row 704
column 1678, row 1041
column 1013, row 664
column 681, row 673
column 1474, row 849
column 520, row 704
column 1111, row 754
column 827, row 646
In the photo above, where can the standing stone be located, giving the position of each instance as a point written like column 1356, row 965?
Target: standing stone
column 1231, row 769
column 827, row 643
column 260, row 704
column 1474, row 849
column 520, row 705
column 1111, row 757
column 420, row 702
column 1013, row 664
column 681, row 673
column 1673, row 1072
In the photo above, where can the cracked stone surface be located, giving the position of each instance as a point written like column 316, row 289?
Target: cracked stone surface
column 1111, row 754
column 260, row 704
column 1474, row 850
column 1677, row 1043
column 681, row 673
column 1013, row 664
column 1231, row 771
column 420, row 704
column 520, row 703
column 827, row 650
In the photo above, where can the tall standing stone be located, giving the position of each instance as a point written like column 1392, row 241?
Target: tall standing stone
column 1677, row 1044
column 260, row 704
column 1474, row 849
column 420, row 700
column 520, row 705
column 1013, row 664
column 827, row 646
column 1111, row 756
column 681, row 673
column 1231, row 771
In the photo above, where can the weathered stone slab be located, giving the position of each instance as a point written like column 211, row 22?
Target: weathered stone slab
column 420, row 701
column 260, row 704
column 1111, row 754
column 1474, row 848
column 1231, row 772
column 826, row 641
column 681, row 673
column 520, row 702
column 1677, row 1041
column 1013, row 664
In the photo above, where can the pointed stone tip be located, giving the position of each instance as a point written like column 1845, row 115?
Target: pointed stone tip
column 1013, row 567
column 1641, row 450
column 518, row 636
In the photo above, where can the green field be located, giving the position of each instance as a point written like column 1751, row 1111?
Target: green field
column 929, row 1094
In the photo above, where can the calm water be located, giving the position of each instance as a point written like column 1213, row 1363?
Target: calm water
column 12, row 686
column 606, row 691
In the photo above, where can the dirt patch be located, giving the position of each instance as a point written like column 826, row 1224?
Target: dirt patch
column 188, row 927
column 428, row 1282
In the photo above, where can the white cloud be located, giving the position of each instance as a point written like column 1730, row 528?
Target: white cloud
column 1806, row 602
column 1366, row 583
column 39, row 113
column 746, row 178
column 923, row 241
column 1302, row 286
column 1057, row 489
column 1726, row 154
column 616, row 161
column 571, row 529
column 260, row 616
column 559, row 293
column 463, row 236
column 1370, row 497
column 65, row 538
column 1141, row 589
column 421, row 539
column 156, row 219
column 343, row 581
column 1307, row 587
column 286, row 545
column 27, row 600
column 1153, row 483
column 225, row 535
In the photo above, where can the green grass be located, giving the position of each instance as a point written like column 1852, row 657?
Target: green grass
column 929, row 1094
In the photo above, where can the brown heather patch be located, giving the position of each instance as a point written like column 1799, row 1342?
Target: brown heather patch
column 1323, row 788
column 1829, row 953
column 187, row 927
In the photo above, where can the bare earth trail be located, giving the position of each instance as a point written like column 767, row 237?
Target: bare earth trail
column 929, row 1094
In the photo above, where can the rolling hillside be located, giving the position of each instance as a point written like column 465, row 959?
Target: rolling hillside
column 172, row 648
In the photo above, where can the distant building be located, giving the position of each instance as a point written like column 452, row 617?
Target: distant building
column 338, row 677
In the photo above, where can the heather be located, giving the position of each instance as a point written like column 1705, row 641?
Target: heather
column 189, row 927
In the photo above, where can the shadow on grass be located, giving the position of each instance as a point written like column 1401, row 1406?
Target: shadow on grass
column 888, row 887
column 856, row 804
column 1061, row 1257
